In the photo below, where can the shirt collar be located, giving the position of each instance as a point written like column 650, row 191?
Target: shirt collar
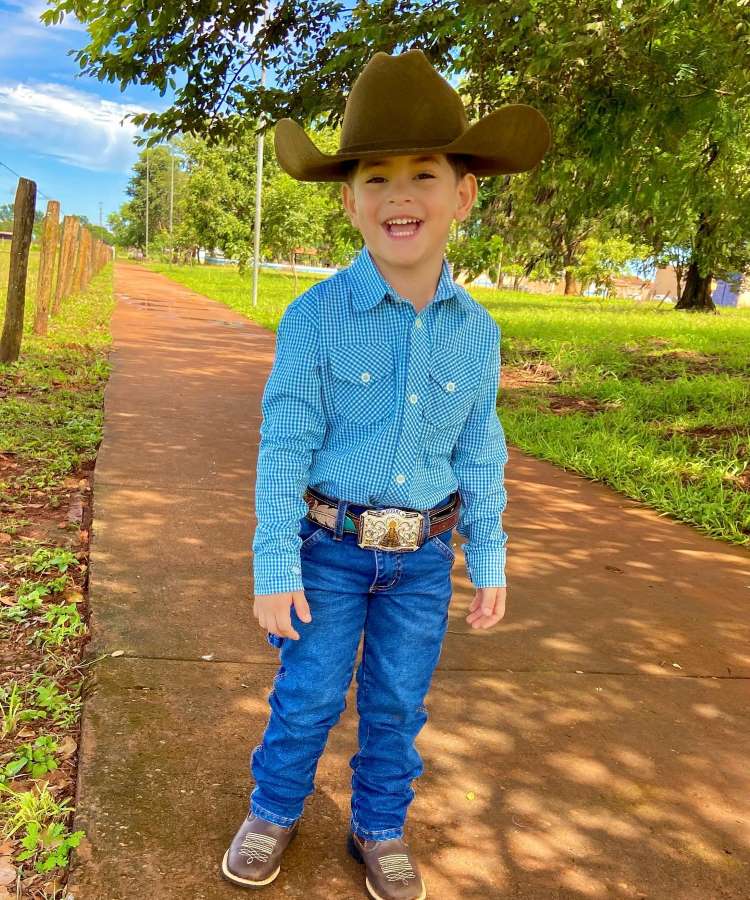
column 370, row 287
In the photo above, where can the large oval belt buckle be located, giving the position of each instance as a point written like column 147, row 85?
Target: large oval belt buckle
column 390, row 529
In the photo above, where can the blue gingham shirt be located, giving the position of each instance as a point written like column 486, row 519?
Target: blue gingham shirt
column 373, row 402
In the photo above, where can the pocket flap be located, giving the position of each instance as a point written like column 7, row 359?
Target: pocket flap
column 362, row 363
column 455, row 374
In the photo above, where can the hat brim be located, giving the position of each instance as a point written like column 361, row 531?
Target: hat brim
column 511, row 139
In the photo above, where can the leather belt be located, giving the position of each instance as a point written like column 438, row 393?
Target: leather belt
column 391, row 529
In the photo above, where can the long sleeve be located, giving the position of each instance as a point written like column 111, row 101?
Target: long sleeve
column 478, row 462
column 293, row 427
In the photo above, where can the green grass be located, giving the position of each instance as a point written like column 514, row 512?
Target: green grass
column 31, row 277
column 663, row 412
column 51, row 415
column 668, row 398
column 275, row 291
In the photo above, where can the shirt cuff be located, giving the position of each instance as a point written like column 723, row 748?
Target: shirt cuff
column 485, row 566
column 277, row 574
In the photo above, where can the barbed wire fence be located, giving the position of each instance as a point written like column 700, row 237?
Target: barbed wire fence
column 69, row 255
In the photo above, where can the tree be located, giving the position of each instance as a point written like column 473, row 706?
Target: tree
column 129, row 224
column 294, row 214
column 216, row 204
column 603, row 257
column 648, row 99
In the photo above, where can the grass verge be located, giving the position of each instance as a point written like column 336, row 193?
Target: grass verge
column 51, row 402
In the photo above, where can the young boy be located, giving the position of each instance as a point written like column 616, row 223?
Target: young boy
column 380, row 435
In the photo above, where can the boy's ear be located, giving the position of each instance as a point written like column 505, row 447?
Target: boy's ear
column 467, row 196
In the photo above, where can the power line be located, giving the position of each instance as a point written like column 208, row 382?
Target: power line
column 21, row 176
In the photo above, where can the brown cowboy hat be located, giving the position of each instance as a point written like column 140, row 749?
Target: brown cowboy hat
column 401, row 105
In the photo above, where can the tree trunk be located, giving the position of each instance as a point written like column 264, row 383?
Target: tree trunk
column 499, row 279
column 570, row 283
column 697, row 293
column 23, row 226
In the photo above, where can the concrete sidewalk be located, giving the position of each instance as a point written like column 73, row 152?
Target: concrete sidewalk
column 595, row 744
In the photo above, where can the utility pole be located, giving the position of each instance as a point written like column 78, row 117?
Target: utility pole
column 171, row 198
column 259, row 182
column 147, row 176
column 171, row 209
column 100, row 213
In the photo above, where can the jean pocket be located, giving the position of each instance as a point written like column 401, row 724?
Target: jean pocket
column 310, row 532
column 442, row 542
column 363, row 382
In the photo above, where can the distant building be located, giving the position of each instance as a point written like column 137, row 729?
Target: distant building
column 6, row 235
column 734, row 291
column 625, row 286
column 664, row 285
column 629, row 287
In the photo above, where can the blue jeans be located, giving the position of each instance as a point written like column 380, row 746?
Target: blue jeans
column 400, row 600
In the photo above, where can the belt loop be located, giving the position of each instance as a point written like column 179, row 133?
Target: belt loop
column 338, row 534
column 425, row 526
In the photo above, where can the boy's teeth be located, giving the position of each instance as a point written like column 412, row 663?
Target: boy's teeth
column 402, row 227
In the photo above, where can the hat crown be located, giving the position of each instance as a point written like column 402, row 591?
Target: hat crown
column 402, row 96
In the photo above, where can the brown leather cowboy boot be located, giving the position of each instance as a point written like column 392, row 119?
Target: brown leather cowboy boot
column 392, row 873
column 252, row 859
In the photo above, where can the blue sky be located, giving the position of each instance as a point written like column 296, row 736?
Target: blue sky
column 58, row 127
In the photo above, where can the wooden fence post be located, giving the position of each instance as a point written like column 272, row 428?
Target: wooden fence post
column 76, row 273
column 23, row 226
column 72, row 281
column 87, row 259
column 67, row 260
column 90, row 259
column 79, row 282
column 46, row 266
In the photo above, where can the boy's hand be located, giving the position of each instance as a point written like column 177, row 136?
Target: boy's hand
column 273, row 612
column 487, row 607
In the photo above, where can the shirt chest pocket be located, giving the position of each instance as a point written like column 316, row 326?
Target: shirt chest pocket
column 452, row 388
column 362, row 379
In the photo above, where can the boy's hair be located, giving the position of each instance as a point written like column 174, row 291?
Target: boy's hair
column 458, row 162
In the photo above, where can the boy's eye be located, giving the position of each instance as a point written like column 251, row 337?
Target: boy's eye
column 380, row 177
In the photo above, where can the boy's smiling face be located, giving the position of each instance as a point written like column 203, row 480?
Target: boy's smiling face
column 424, row 190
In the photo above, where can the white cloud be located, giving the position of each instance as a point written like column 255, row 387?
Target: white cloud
column 70, row 125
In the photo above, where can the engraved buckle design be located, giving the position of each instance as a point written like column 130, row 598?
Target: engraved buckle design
column 390, row 529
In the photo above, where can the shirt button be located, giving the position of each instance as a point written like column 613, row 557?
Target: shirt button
column 365, row 376
column 413, row 398
column 400, row 479
column 450, row 386
column 295, row 569
column 417, row 323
